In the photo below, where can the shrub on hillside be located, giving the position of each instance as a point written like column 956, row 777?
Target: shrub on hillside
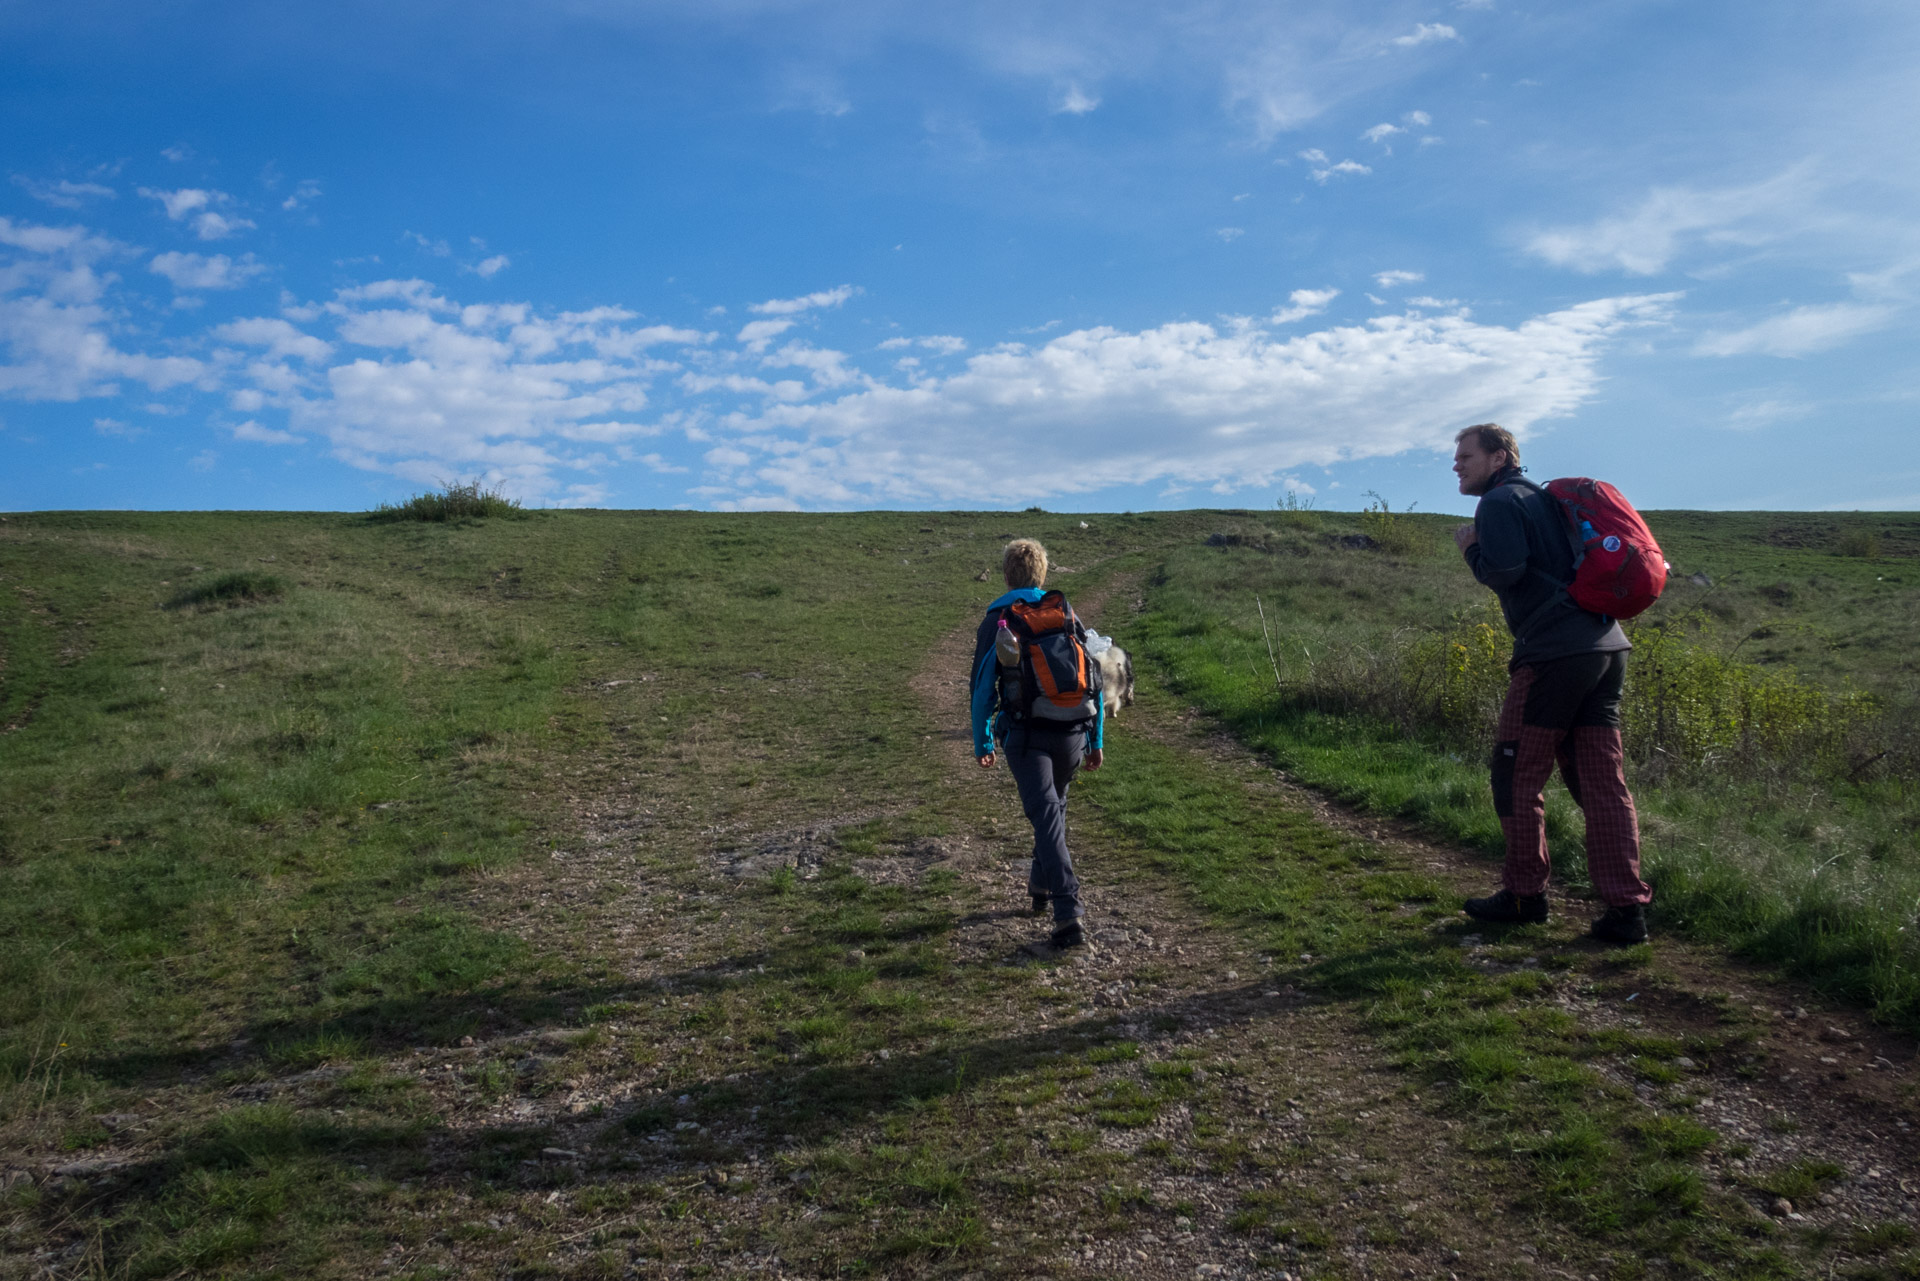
column 1863, row 543
column 455, row 501
column 1688, row 708
column 241, row 588
column 1391, row 531
column 1296, row 513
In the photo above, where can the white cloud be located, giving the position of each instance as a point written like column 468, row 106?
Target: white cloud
column 756, row 334
column 942, row 344
column 1764, row 413
column 1802, row 331
column 179, row 204
column 1230, row 234
column 1074, row 102
column 280, row 338
column 1183, row 403
column 1426, row 33
column 1644, row 240
column 177, row 153
column 205, row 460
column 1425, row 300
column 197, row 204
column 57, row 335
column 213, row 226
column 1381, row 132
column 304, row 193
column 491, row 267
column 115, row 427
column 62, row 193
column 438, row 248
column 411, row 383
column 1324, row 169
column 806, row 302
column 192, row 271
column 1393, row 279
column 1418, row 119
column 253, row 431
column 1305, row 302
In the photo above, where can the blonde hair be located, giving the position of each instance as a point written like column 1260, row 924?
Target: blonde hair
column 1491, row 437
column 1024, row 563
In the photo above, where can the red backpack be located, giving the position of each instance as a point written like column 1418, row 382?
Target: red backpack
column 1618, row 569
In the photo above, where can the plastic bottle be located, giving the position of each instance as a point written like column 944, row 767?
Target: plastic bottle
column 1006, row 646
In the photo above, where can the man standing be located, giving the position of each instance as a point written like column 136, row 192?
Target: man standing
column 1043, row 754
column 1563, row 702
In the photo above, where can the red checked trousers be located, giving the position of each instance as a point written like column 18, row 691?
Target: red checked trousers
column 1567, row 713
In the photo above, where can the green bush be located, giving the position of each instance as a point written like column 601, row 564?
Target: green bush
column 240, row 588
column 1863, row 543
column 1296, row 512
column 456, row 501
column 1391, row 531
column 1688, row 708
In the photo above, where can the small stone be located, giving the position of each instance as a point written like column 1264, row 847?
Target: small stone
column 1684, row 1063
column 560, row 1154
column 467, row 1040
column 1781, row 1207
column 1233, row 974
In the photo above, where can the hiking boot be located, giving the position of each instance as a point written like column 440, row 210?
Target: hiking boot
column 1039, row 905
column 1072, row 934
column 1508, row 908
column 1626, row 924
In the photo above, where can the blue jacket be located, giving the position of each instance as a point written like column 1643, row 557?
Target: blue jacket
column 986, row 681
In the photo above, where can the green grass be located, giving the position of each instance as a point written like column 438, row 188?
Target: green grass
column 272, row 855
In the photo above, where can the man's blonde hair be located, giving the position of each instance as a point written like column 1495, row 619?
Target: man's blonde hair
column 1024, row 563
column 1492, row 437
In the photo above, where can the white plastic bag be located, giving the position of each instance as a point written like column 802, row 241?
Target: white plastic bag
column 1097, row 644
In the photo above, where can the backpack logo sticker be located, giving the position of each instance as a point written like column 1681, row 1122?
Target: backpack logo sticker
column 1611, row 542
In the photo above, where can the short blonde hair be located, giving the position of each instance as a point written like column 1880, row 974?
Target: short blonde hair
column 1024, row 563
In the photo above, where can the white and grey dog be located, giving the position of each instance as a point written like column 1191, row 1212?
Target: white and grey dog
column 1116, row 678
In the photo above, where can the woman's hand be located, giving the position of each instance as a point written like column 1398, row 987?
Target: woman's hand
column 986, row 762
column 1093, row 758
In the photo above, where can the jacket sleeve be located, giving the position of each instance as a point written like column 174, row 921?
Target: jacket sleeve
column 986, row 698
column 1095, row 740
column 1499, row 557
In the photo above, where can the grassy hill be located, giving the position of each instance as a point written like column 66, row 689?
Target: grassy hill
column 434, row 898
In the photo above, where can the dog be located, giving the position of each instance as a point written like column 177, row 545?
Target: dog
column 1116, row 678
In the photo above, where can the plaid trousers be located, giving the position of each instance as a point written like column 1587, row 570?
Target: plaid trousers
column 1567, row 712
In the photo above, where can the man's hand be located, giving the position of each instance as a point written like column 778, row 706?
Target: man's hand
column 1092, row 761
column 986, row 762
column 1465, row 537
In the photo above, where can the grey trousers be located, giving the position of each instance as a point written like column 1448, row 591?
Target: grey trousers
column 1043, row 762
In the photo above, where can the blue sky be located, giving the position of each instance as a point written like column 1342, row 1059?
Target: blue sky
column 741, row 255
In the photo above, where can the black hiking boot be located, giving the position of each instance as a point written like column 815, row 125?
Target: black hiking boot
column 1626, row 924
column 1508, row 908
column 1039, row 903
column 1071, row 935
